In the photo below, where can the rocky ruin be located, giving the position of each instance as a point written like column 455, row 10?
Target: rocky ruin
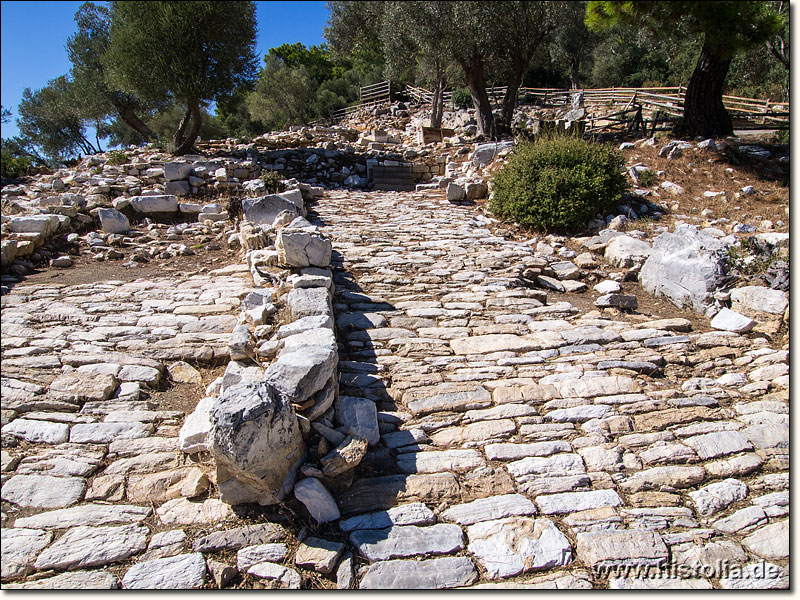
column 385, row 389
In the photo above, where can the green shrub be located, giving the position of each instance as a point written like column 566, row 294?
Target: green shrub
column 13, row 166
column 116, row 157
column 558, row 183
column 273, row 182
column 462, row 98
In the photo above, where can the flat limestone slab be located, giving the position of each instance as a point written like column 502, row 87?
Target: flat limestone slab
column 608, row 549
column 489, row 509
column 404, row 541
column 182, row 572
column 500, row 342
column 85, row 514
column 507, row 547
column 90, row 546
column 19, row 549
column 43, row 491
column 438, row 573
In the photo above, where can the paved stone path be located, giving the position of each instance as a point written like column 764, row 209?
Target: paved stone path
column 558, row 441
column 517, row 442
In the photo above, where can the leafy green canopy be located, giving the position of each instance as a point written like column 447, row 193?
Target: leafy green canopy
column 726, row 27
column 187, row 51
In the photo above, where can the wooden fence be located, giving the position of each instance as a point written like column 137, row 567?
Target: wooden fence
column 658, row 103
column 665, row 100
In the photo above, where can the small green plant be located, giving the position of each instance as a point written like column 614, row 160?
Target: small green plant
column 646, row 179
column 558, row 183
column 116, row 157
column 462, row 98
column 273, row 182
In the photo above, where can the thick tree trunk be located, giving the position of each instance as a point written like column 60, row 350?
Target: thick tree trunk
column 437, row 104
column 177, row 140
column 704, row 113
column 130, row 118
column 473, row 72
column 510, row 99
column 574, row 80
column 194, row 110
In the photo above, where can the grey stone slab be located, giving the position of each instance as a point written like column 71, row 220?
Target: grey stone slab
column 507, row 547
column 90, row 546
column 19, row 549
column 716, row 497
column 770, row 542
column 79, row 580
column 182, row 572
column 317, row 499
column 38, row 432
column 43, row 491
column 318, row 554
column 103, row 433
column 408, row 540
column 415, row 513
column 451, row 401
column 608, row 549
column 85, row 514
column 284, row 577
column 239, row 537
column 713, row 445
column 576, row 501
column 436, row 462
column 360, row 417
column 253, row 555
column 489, row 509
column 437, row 573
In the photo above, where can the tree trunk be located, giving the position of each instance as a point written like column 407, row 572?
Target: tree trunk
column 704, row 113
column 437, row 104
column 194, row 110
column 177, row 140
column 130, row 118
column 473, row 71
column 574, row 80
column 510, row 99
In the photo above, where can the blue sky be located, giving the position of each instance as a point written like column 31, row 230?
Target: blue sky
column 34, row 35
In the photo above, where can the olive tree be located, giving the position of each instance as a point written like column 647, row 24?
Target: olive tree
column 188, row 52
column 725, row 29
column 97, row 97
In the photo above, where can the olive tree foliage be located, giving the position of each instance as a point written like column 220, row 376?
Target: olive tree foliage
column 188, row 53
column 414, row 37
column 475, row 36
column 521, row 29
column 97, row 96
column 282, row 94
column 726, row 28
column 572, row 43
column 50, row 121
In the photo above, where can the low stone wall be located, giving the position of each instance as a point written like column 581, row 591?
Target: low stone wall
column 281, row 383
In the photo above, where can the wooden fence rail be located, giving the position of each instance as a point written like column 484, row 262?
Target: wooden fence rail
column 668, row 100
column 665, row 100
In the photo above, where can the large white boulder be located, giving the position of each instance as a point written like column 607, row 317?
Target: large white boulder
column 686, row 267
column 255, row 439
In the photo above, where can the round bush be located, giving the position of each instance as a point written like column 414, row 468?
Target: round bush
column 558, row 184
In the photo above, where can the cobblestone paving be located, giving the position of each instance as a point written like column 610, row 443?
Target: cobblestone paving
column 516, row 443
column 560, row 442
